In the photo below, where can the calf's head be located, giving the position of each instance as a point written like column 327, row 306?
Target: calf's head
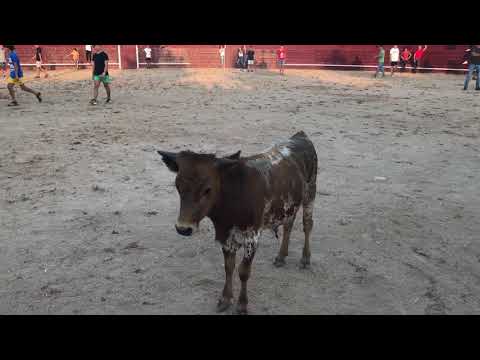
column 198, row 184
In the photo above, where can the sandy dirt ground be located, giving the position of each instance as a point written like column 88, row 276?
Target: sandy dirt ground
column 87, row 207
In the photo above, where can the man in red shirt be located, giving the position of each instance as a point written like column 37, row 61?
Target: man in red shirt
column 281, row 56
column 405, row 58
column 417, row 57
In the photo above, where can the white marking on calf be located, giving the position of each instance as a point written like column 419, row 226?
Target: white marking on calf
column 273, row 223
column 308, row 209
column 277, row 152
column 285, row 151
column 237, row 238
column 232, row 243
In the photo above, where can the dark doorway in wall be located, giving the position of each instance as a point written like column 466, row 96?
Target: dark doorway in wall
column 337, row 57
column 358, row 62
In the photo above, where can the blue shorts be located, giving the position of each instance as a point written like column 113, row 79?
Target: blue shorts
column 281, row 61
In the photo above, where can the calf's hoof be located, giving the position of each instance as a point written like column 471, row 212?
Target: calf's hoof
column 223, row 304
column 242, row 309
column 304, row 263
column 279, row 261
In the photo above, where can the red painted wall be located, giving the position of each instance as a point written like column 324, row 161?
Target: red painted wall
column 442, row 56
column 60, row 53
column 128, row 54
column 197, row 55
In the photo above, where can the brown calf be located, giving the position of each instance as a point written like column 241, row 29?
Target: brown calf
column 244, row 195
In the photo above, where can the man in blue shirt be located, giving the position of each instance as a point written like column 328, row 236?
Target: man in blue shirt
column 16, row 76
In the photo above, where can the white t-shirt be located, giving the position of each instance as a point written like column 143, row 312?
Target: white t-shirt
column 148, row 52
column 88, row 47
column 222, row 51
column 394, row 54
column 2, row 55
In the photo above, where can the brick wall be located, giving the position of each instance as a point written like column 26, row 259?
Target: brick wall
column 196, row 55
column 60, row 53
column 440, row 56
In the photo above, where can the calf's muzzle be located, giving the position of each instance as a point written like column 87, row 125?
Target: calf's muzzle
column 185, row 231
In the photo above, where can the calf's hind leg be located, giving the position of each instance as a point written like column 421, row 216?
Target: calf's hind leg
column 283, row 252
column 307, row 229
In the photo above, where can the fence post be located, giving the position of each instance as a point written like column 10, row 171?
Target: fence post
column 119, row 57
column 138, row 62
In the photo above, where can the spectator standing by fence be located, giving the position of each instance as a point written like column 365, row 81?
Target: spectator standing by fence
column 394, row 57
column 418, row 56
column 474, row 65
column 250, row 59
column 466, row 61
column 381, row 61
column 245, row 57
column 75, row 57
column 88, row 53
column 221, row 51
column 405, row 58
column 240, row 58
column 281, row 57
column 3, row 62
column 148, row 56
column 38, row 58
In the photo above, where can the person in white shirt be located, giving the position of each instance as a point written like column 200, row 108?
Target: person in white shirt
column 88, row 53
column 148, row 55
column 394, row 58
column 221, row 51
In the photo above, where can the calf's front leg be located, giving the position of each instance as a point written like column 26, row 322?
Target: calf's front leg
column 244, row 273
column 227, row 295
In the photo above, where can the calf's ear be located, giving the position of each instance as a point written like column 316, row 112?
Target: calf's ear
column 170, row 159
column 235, row 156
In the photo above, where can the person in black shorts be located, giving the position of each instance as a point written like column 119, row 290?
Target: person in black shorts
column 100, row 73
column 244, row 50
column 39, row 62
column 250, row 59
column 148, row 55
column 88, row 52
column 394, row 58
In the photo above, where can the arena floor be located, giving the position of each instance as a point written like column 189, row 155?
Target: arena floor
column 87, row 207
